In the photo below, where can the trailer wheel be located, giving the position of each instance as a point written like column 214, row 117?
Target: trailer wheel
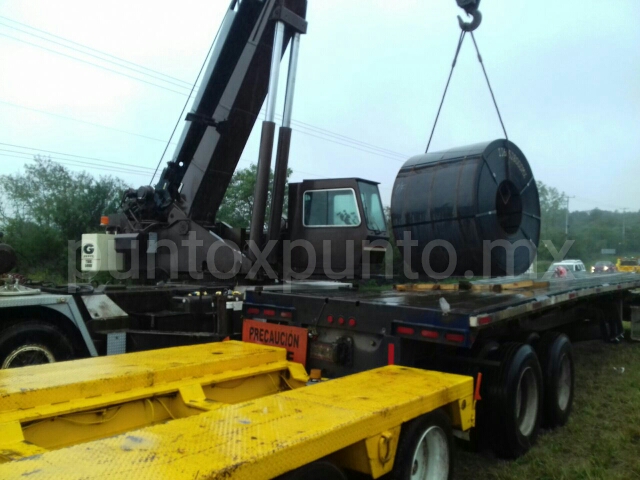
column 33, row 343
column 320, row 470
column 514, row 400
column 425, row 451
column 556, row 359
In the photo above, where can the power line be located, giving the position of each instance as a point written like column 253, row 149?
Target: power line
column 94, row 64
column 323, row 133
column 94, row 50
column 204, row 63
column 72, row 119
column 91, row 162
column 597, row 203
column 78, row 164
column 156, row 77
column 49, row 152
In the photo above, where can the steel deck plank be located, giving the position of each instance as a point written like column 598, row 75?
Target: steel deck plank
column 258, row 439
column 471, row 303
column 21, row 389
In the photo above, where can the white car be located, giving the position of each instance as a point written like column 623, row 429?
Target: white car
column 569, row 265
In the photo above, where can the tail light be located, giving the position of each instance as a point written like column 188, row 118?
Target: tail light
column 405, row 330
column 253, row 311
column 454, row 337
column 429, row 334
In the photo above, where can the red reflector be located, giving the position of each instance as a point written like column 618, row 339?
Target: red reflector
column 572, row 295
column 253, row 311
column 429, row 334
column 269, row 313
column 391, row 354
column 330, row 318
column 286, row 314
column 476, row 395
column 484, row 320
column 405, row 330
column 454, row 337
column 341, row 321
column 352, row 322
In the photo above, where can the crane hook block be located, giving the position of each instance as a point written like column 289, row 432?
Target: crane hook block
column 473, row 24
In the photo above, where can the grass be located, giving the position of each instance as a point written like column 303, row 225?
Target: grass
column 601, row 439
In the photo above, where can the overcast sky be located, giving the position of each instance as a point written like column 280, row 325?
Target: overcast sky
column 566, row 76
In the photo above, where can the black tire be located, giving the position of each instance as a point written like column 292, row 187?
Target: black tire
column 320, row 470
column 33, row 342
column 436, row 426
column 511, row 425
column 555, row 353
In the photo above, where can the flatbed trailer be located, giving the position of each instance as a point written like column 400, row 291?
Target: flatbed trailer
column 512, row 332
column 225, row 410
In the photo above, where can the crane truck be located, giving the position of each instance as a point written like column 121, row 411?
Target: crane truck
column 503, row 342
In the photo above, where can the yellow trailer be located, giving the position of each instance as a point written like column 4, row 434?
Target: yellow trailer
column 226, row 410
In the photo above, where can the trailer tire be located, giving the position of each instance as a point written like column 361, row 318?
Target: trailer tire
column 556, row 360
column 319, row 470
column 431, row 432
column 32, row 343
column 514, row 400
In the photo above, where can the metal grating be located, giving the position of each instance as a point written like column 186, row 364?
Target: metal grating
column 116, row 343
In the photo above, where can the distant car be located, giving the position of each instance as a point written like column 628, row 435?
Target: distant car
column 628, row 265
column 604, row 267
column 560, row 269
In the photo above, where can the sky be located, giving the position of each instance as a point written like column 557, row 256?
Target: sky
column 370, row 78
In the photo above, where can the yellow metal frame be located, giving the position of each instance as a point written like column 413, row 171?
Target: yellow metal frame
column 356, row 420
column 53, row 406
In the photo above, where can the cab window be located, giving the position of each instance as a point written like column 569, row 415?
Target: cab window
column 331, row 208
column 372, row 205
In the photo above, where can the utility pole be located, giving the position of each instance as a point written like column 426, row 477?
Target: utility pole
column 624, row 217
column 566, row 223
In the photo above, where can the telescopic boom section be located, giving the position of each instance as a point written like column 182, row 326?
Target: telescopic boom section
column 227, row 105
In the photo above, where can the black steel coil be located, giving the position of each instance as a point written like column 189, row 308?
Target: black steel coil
column 480, row 205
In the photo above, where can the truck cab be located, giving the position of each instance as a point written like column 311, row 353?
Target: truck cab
column 341, row 221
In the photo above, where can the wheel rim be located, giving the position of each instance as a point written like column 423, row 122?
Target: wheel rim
column 28, row 355
column 431, row 456
column 564, row 383
column 527, row 402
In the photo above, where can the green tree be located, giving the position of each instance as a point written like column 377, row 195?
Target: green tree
column 553, row 210
column 48, row 205
column 237, row 205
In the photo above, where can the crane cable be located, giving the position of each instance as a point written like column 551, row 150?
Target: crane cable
column 446, row 88
column 204, row 63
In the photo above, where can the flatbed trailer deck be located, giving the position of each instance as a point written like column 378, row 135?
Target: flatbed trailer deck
column 471, row 307
column 224, row 410
column 512, row 334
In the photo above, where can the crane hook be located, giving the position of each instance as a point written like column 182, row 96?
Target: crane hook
column 473, row 24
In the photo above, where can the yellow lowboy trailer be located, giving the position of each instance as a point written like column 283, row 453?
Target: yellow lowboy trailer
column 225, row 410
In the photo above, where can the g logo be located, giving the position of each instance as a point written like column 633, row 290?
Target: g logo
column 88, row 248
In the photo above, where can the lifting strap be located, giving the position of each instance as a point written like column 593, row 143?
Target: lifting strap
column 463, row 33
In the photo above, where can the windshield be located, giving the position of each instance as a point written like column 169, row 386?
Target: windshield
column 372, row 205
column 628, row 263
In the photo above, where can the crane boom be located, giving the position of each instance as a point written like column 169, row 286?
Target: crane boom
column 226, row 107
